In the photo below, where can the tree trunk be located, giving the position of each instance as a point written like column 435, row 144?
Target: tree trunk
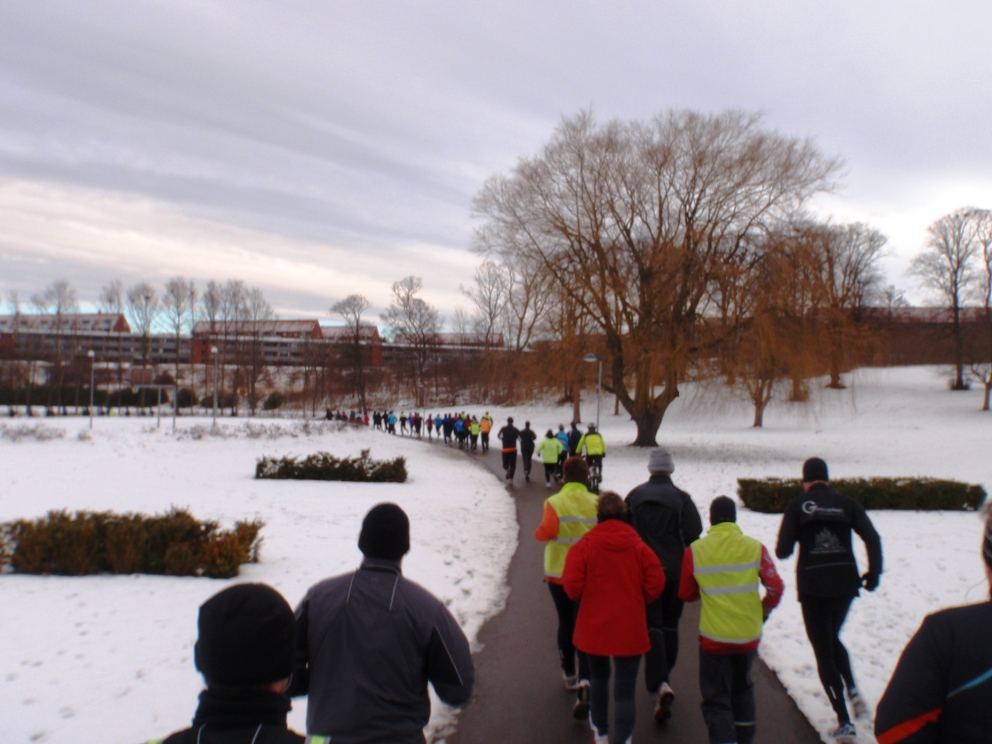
column 958, row 352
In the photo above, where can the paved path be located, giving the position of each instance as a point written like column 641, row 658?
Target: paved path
column 519, row 695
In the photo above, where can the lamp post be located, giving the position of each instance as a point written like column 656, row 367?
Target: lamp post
column 213, row 353
column 92, row 355
column 599, row 381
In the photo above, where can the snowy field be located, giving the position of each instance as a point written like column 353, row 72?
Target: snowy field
column 890, row 422
column 110, row 658
column 114, row 654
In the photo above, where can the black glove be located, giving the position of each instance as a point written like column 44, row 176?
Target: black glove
column 870, row 581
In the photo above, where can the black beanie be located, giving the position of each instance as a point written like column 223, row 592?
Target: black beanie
column 723, row 509
column 385, row 533
column 247, row 637
column 815, row 469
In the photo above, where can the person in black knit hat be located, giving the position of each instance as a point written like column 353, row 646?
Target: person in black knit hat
column 368, row 643
column 827, row 576
column 244, row 650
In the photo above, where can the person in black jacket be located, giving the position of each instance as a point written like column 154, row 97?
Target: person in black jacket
column 508, row 436
column 528, row 440
column 368, row 643
column 941, row 689
column 244, row 650
column 666, row 518
column 827, row 575
column 574, row 437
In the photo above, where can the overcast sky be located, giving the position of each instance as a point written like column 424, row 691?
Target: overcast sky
column 318, row 149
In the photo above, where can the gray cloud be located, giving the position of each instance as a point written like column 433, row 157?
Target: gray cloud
column 354, row 135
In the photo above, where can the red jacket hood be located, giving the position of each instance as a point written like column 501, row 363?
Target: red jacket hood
column 613, row 535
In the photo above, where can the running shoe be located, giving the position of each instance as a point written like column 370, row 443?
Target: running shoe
column 571, row 681
column 581, row 710
column 663, row 703
column 846, row 733
column 858, row 704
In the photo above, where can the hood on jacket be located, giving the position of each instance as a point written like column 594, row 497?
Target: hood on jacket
column 613, row 535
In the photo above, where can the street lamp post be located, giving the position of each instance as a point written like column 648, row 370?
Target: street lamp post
column 213, row 353
column 92, row 355
column 599, row 382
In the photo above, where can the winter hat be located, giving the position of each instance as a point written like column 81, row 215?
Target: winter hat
column 247, row 637
column 660, row 461
column 723, row 509
column 385, row 533
column 815, row 469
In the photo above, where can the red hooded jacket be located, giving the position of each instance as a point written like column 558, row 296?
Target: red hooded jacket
column 616, row 575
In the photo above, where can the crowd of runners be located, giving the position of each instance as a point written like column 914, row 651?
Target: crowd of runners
column 472, row 433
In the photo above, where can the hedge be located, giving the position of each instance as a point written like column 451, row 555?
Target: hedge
column 325, row 466
column 771, row 495
column 175, row 544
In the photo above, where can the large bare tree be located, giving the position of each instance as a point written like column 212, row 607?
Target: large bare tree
column 356, row 353
column 111, row 302
column 634, row 221
column 946, row 266
column 981, row 364
column 179, row 303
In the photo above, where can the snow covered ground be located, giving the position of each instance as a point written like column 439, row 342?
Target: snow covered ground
column 890, row 422
column 113, row 654
column 110, row 657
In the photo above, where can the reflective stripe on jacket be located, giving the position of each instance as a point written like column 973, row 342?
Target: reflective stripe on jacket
column 576, row 511
column 726, row 566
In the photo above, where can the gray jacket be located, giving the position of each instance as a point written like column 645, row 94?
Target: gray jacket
column 368, row 643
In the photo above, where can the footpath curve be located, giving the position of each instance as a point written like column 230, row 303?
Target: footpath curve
column 519, row 695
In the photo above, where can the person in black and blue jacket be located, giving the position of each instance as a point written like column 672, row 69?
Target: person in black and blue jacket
column 941, row 689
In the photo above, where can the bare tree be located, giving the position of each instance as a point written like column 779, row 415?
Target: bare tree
column 634, row 221
column 417, row 322
column 257, row 313
column 58, row 300
column 143, row 308
column 210, row 310
column 351, row 309
column 179, row 303
column 232, row 313
column 946, row 267
column 489, row 296
column 981, row 365
column 112, row 302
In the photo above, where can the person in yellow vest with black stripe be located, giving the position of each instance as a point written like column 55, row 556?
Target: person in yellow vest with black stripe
column 724, row 569
column 568, row 515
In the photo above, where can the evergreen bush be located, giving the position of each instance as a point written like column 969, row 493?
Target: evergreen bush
column 325, row 466
column 85, row 543
column 771, row 495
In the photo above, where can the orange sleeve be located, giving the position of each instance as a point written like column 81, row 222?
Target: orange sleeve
column 548, row 529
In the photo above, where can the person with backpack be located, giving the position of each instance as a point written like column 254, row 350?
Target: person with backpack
column 667, row 520
column 549, row 450
column 827, row 577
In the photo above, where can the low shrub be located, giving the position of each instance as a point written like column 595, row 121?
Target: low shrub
column 771, row 495
column 85, row 543
column 325, row 466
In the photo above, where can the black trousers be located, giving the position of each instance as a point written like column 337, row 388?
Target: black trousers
column 485, row 441
column 510, row 463
column 728, row 696
column 550, row 471
column 567, row 610
column 663, row 630
column 527, row 457
column 824, row 617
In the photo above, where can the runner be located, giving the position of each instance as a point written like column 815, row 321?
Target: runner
column 473, row 433
column 827, row 580
column 485, row 426
column 549, row 450
column 508, row 436
column 527, row 440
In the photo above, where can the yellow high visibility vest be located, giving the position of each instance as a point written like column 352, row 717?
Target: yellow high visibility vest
column 726, row 566
column 576, row 510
